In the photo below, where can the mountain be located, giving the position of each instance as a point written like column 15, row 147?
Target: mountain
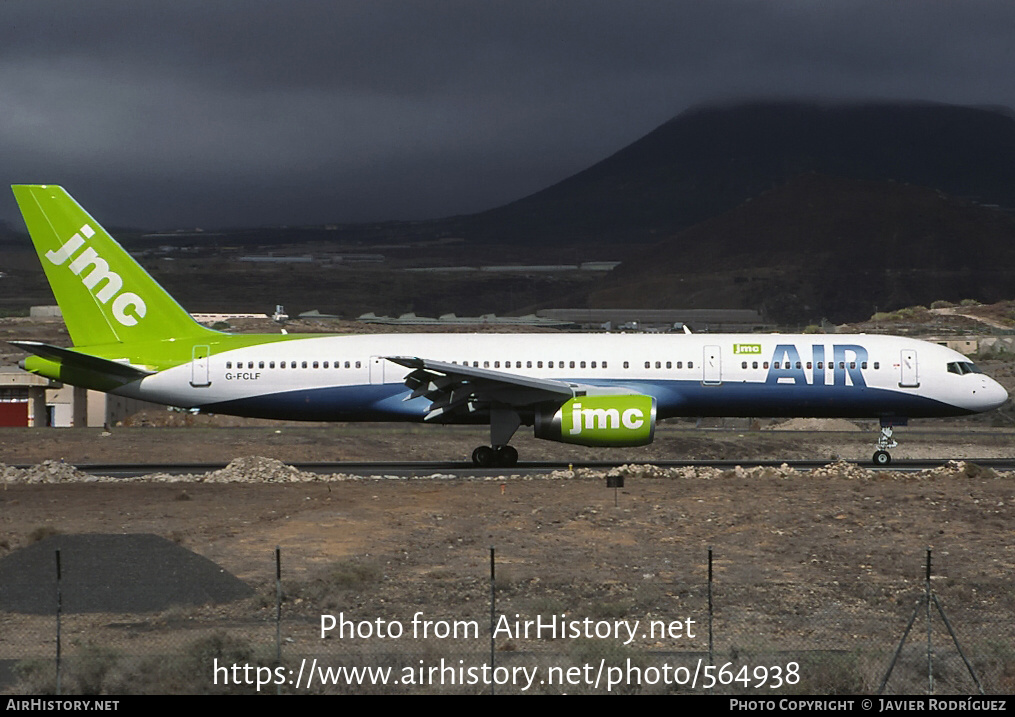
column 822, row 246
column 709, row 160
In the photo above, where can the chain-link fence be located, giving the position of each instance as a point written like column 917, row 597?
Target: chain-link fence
column 504, row 627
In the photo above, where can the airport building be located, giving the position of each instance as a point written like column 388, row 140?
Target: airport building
column 34, row 401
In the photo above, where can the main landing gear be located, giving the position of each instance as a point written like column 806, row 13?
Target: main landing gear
column 495, row 456
column 504, row 422
column 885, row 441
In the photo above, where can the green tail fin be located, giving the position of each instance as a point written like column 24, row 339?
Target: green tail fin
column 105, row 296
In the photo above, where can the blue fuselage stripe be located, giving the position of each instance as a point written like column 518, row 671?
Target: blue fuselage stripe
column 385, row 402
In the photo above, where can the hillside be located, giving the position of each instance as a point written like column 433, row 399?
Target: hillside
column 708, row 160
column 821, row 246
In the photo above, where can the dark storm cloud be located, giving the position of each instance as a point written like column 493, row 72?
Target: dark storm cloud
column 220, row 113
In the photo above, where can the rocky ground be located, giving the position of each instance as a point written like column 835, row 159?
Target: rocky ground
column 806, row 563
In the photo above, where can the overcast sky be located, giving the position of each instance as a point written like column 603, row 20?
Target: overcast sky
column 216, row 113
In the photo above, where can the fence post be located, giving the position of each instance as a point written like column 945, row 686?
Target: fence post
column 278, row 612
column 930, row 651
column 59, row 610
column 493, row 609
column 711, row 654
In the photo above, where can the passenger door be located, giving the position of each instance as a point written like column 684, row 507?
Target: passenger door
column 199, row 377
column 711, row 366
column 909, row 376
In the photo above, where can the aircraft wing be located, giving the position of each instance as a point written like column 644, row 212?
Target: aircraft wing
column 452, row 388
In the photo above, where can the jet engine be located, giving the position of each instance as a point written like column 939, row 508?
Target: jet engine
column 618, row 420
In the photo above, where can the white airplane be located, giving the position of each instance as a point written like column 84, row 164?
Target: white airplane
column 132, row 339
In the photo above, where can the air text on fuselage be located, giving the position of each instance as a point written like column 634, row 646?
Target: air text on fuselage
column 845, row 361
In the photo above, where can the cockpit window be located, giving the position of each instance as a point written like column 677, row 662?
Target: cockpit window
column 963, row 367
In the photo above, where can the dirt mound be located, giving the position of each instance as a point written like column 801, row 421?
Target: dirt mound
column 112, row 573
column 814, row 424
column 256, row 469
column 45, row 472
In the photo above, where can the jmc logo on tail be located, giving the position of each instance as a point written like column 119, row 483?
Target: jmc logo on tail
column 128, row 308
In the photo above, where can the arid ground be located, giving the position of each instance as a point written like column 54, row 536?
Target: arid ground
column 827, row 560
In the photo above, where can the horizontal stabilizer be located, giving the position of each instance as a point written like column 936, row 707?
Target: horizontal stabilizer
column 75, row 359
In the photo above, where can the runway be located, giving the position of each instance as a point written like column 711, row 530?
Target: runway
column 462, row 469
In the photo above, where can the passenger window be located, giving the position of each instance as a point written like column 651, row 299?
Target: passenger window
column 808, row 365
column 304, row 364
column 528, row 364
column 539, row 364
column 658, row 364
column 358, row 364
column 690, row 364
column 593, row 364
column 292, row 364
column 680, row 364
column 250, row 364
column 754, row 364
column 627, row 365
column 877, row 365
column 260, row 364
column 648, row 365
column 864, row 365
column 572, row 364
column 229, row 364
column 581, row 365
column 496, row 364
column 743, row 364
column 604, row 365
column 852, row 364
column 271, row 365
column 669, row 364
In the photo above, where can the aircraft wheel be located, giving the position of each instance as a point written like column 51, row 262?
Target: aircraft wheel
column 507, row 456
column 484, row 457
column 881, row 458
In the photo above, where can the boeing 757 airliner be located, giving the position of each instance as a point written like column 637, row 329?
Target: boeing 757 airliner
column 132, row 339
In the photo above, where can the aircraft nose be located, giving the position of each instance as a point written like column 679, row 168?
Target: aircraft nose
column 992, row 394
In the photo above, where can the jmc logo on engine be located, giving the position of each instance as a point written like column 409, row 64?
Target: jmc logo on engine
column 607, row 420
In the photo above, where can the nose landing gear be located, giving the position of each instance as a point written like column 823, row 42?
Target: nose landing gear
column 885, row 441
